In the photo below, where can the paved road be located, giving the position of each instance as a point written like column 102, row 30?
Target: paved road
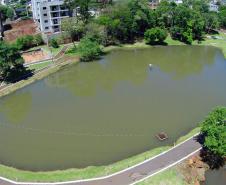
column 142, row 170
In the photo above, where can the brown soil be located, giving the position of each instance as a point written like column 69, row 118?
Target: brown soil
column 193, row 170
column 35, row 56
column 20, row 28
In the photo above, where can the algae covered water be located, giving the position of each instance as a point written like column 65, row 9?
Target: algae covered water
column 100, row 112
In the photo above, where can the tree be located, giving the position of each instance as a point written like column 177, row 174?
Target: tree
column 97, row 31
column 82, row 8
column 54, row 43
column 5, row 12
column 155, row 35
column 211, row 21
column 197, row 25
column 11, row 62
column 213, row 138
column 222, row 16
column 73, row 27
column 37, row 40
column 25, row 42
column 89, row 49
column 214, row 131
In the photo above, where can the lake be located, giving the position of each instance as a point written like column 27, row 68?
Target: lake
column 100, row 112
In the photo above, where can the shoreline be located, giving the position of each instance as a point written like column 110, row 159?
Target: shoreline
column 88, row 172
column 92, row 171
column 137, row 45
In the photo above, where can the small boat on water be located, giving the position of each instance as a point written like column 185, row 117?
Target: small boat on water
column 150, row 65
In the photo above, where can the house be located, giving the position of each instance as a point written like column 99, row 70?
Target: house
column 48, row 14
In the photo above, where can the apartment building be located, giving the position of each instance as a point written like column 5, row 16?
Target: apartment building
column 48, row 14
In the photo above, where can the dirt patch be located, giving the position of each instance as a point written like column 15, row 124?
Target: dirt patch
column 193, row 170
column 35, row 56
column 20, row 28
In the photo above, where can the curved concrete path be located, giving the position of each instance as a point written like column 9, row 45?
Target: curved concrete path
column 138, row 172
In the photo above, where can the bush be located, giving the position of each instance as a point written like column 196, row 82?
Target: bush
column 53, row 43
column 89, row 49
column 28, row 41
column 155, row 35
column 37, row 40
column 25, row 42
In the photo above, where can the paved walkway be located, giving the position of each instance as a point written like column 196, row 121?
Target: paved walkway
column 143, row 170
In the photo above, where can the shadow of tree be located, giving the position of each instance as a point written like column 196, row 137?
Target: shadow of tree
column 214, row 160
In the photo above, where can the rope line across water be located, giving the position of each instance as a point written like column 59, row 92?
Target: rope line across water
column 21, row 127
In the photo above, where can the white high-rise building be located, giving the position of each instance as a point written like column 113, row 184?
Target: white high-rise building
column 48, row 14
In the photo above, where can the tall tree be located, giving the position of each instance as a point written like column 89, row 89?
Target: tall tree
column 5, row 12
column 81, row 8
column 11, row 62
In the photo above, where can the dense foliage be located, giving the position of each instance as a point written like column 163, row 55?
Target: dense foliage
column 11, row 62
column 222, row 16
column 6, row 11
column 73, row 28
column 214, row 132
column 89, row 49
column 28, row 41
column 126, row 21
column 154, row 35
column 53, row 43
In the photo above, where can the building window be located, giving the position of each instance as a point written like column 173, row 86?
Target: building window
column 44, row 8
column 45, row 14
column 46, row 21
column 55, row 21
column 46, row 28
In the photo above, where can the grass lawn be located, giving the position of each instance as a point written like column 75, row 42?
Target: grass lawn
column 39, row 66
column 169, row 177
column 89, row 172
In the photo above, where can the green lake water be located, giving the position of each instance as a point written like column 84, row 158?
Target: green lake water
column 100, row 112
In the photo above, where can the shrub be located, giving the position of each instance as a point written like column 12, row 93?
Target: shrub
column 53, row 43
column 28, row 41
column 37, row 40
column 25, row 42
column 89, row 49
column 154, row 35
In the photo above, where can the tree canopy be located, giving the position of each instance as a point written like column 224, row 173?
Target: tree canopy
column 214, row 131
column 11, row 62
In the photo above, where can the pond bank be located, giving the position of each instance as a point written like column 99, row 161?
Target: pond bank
column 40, row 74
column 89, row 172
column 221, row 44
